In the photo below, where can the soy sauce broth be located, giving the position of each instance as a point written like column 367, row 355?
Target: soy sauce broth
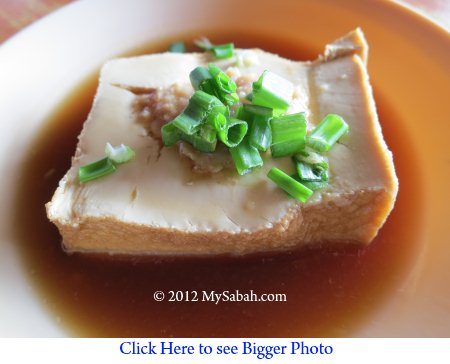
column 331, row 291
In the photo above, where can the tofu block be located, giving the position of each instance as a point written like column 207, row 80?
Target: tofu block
column 166, row 202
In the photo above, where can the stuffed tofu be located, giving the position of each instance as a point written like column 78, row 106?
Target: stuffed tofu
column 179, row 193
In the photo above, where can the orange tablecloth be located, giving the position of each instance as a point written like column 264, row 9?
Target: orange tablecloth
column 16, row 14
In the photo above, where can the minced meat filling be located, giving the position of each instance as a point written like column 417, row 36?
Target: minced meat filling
column 155, row 107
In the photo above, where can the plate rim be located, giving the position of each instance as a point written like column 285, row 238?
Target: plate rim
column 431, row 26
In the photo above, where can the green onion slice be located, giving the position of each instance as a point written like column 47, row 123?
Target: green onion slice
column 258, row 110
column 323, row 173
column 233, row 133
column 218, row 120
column 312, row 185
column 177, row 47
column 208, row 133
column 327, row 132
column 241, row 114
column 259, row 120
column 315, row 185
column 245, row 157
column 225, row 88
column 220, row 51
column 288, row 134
column 307, row 172
column 223, row 51
column 199, row 107
column 248, row 112
column 203, row 43
column 204, row 140
column 121, row 154
column 209, row 86
column 260, row 134
column 311, row 166
column 190, row 120
column 273, row 91
column 230, row 99
column 170, row 134
column 290, row 185
column 223, row 81
column 96, row 170
column 310, row 156
column 255, row 127
column 198, row 76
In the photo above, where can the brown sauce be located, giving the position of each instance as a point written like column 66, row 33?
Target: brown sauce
column 330, row 291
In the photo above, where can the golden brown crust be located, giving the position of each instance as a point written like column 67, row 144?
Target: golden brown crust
column 353, row 217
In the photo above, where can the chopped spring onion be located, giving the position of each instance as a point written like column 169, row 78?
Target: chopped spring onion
column 308, row 172
column 204, row 140
column 220, row 108
column 315, row 185
column 327, row 132
column 199, row 107
column 273, row 91
column 224, row 82
column 312, row 185
column 248, row 112
column 253, row 128
column 203, row 43
column 121, row 154
column 170, row 134
column 310, row 156
column 241, row 114
column 208, row 133
column 215, row 82
column 225, row 88
column 223, row 51
column 220, row 51
column 260, row 135
column 177, row 47
column 258, row 110
column 105, row 166
column 209, row 86
column 245, row 157
column 217, row 120
column 290, row 185
column 249, row 97
column 288, row 134
column 323, row 173
column 229, row 99
column 96, row 170
column 190, row 120
column 311, row 166
column 198, row 76
column 233, row 133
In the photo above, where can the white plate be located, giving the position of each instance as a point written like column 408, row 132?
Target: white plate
column 43, row 63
